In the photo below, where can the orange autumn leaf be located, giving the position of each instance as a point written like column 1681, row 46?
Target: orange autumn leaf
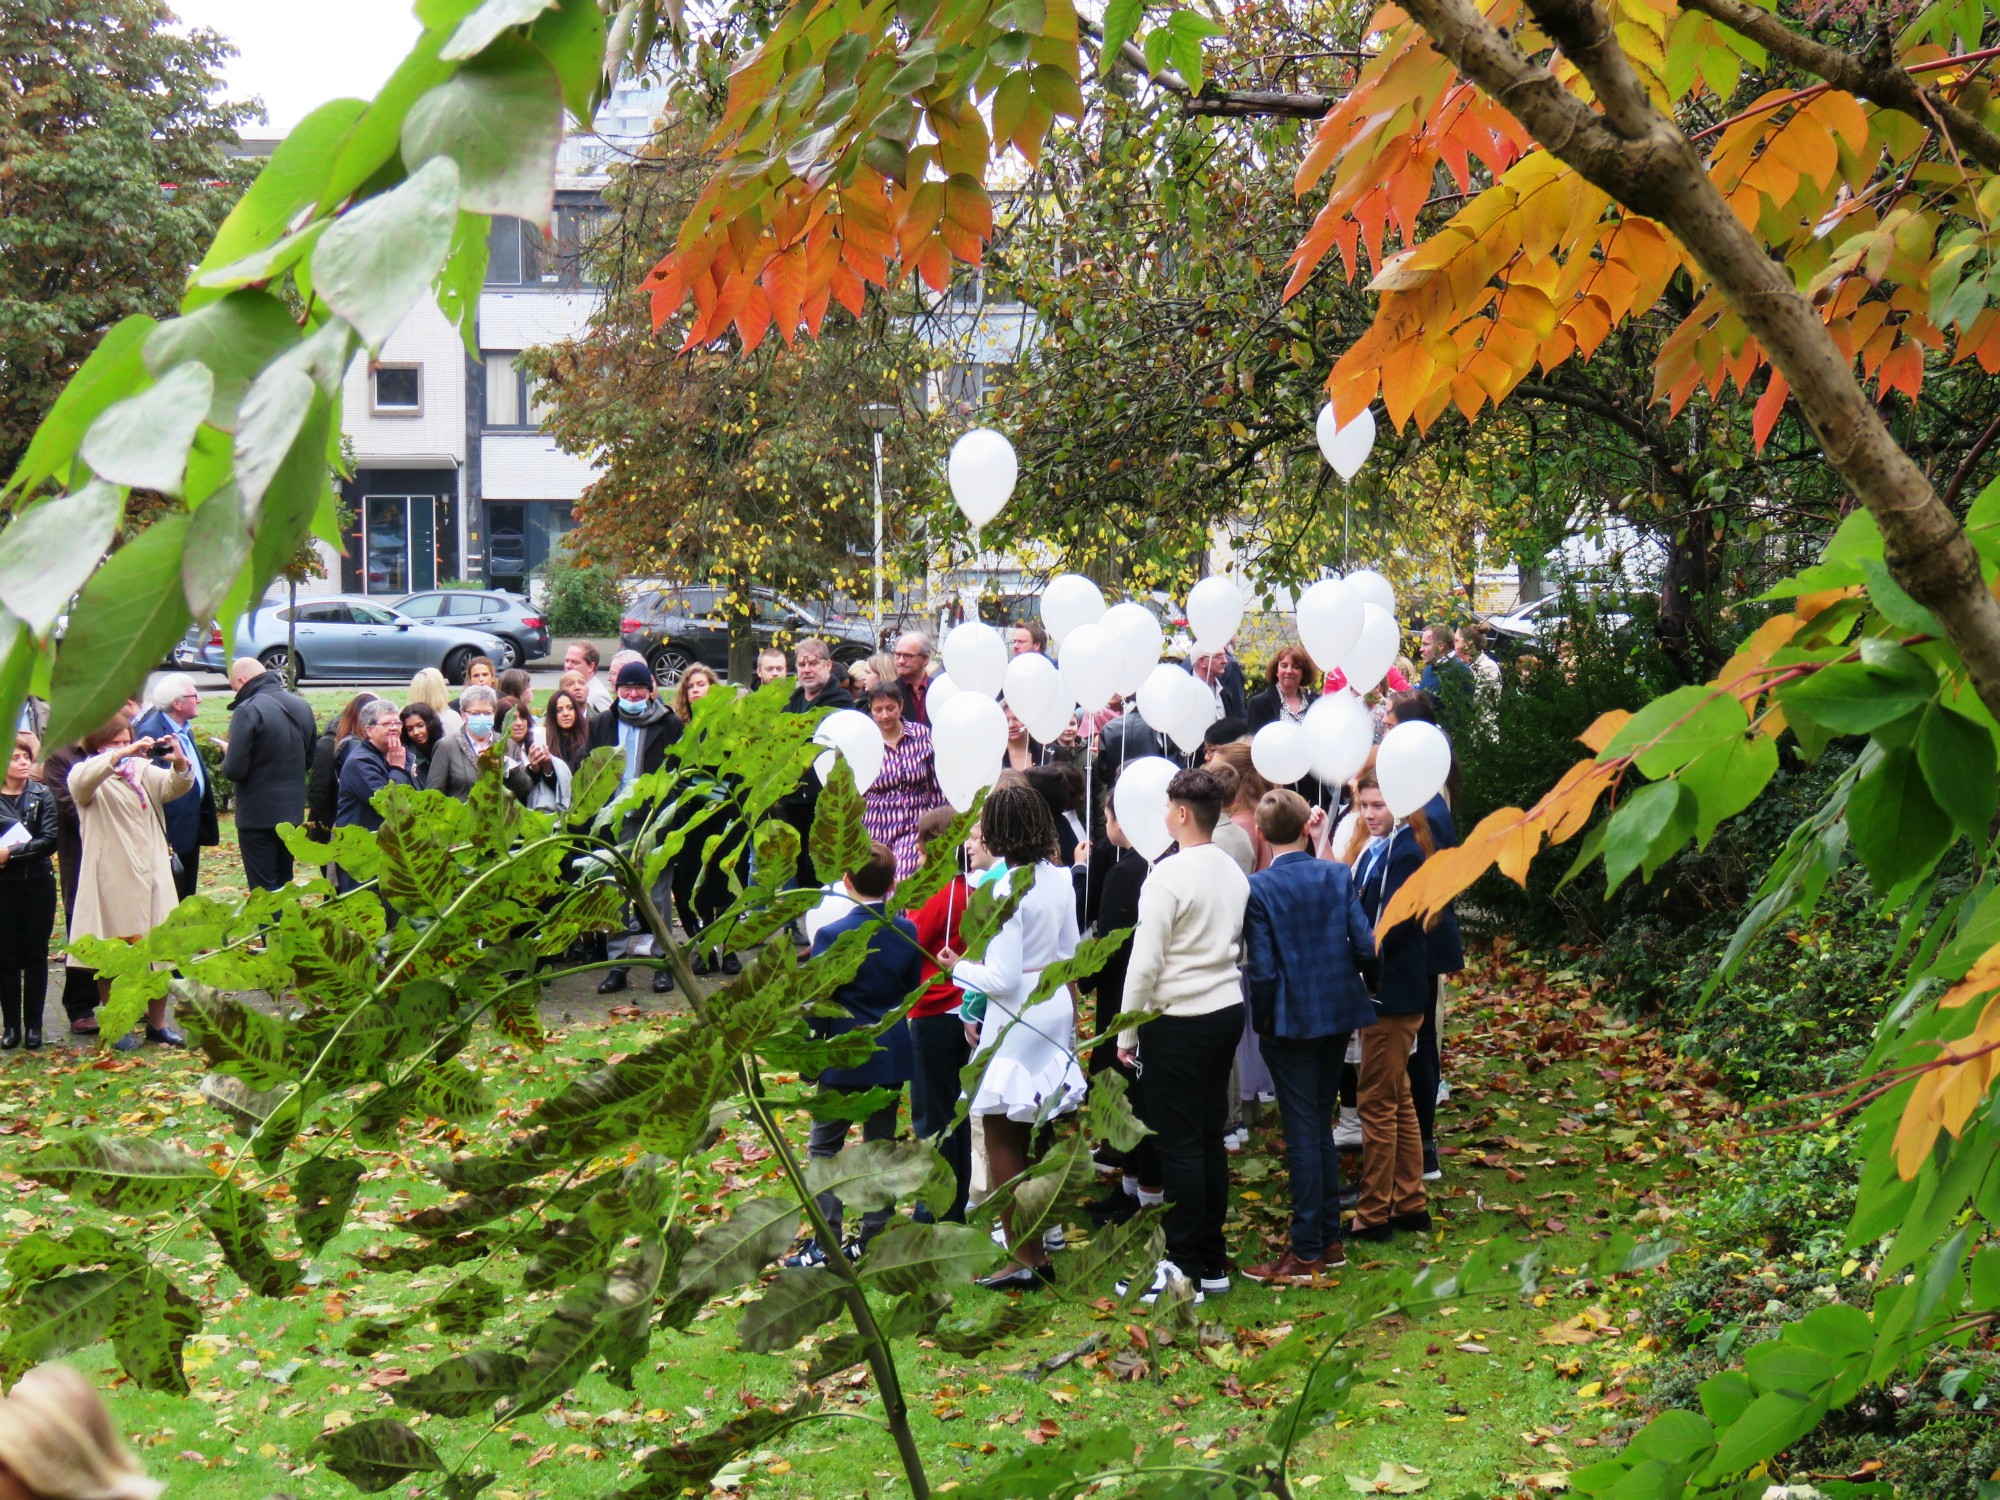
column 1604, row 728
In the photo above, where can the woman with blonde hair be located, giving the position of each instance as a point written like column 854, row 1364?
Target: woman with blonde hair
column 57, row 1443
column 429, row 688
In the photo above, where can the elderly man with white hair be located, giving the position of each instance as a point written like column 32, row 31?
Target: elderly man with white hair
column 190, row 817
column 913, row 675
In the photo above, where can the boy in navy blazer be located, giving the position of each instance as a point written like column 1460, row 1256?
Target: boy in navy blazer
column 1307, row 954
column 888, row 974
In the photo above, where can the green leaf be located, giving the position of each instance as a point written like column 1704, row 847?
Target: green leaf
column 143, row 440
column 732, row 1251
column 692, row 1462
column 373, row 266
column 376, row 1454
column 323, row 1192
column 40, row 1255
column 1769, row 1425
column 463, row 276
column 47, row 1319
column 452, row 1091
column 564, row 1347
column 1857, row 697
column 839, row 839
column 1727, row 779
column 1040, row 1197
column 1896, row 606
column 1678, row 728
column 975, row 1333
column 487, row 22
column 908, row 1258
column 1121, row 23
column 294, row 176
column 47, row 553
column 115, row 369
column 234, row 338
column 271, row 1116
column 1057, row 88
column 1648, row 818
column 625, row 1320
column 1108, row 1114
column 125, row 1174
column 1957, row 757
column 237, row 1039
column 155, row 1319
column 218, row 545
column 465, row 1308
column 237, row 1220
column 465, row 1212
column 500, row 119
column 1050, row 1468
column 879, row 1174
column 793, row 1305
column 292, row 497
column 571, row 36
column 127, row 621
column 274, row 409
column 1855, row 539
column 462, row 1386
column 1899, row 831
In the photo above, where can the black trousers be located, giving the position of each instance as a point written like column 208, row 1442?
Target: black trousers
column 827, row 1137
column 27, row 923
column 184, row 878
column 1186, row 1062
column 267, row 863
column 1426, row 1068
column 701, row 892
column 941, row 1049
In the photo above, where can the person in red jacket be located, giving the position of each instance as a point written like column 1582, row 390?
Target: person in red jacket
column 939, row 1040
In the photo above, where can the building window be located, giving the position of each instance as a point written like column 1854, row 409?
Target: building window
column 518, row 254
column 513, row 399
column 397, row 390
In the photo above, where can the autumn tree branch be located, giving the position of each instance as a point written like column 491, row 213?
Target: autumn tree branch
column 1885, row 83
column 1210, row 100
column 1636, row 155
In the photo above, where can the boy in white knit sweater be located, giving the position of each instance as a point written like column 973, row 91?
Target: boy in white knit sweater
column 1186, row 953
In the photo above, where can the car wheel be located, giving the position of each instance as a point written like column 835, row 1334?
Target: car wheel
column 274, row 661
column 511, row 649
column 455, row 665
column 668, row 663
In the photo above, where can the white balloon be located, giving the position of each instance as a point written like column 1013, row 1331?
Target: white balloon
column 1374, row 650
column 1070, row 601
column 1092, row 662
column 1346, row 448
column 982, row 471
column 1214, row 610
column 836, row 903
column 1140, row 801
column 1412, row 765
column 941, row 691
column 1033, row 686
column 1370, row 587
column 975, row 657
column 1198, row 710
column 1329, row 620
column 1160, row 702
column 1140, row 641
column 1282, row 752
column 854, row 735
column 1342, row 733
column 969, row 740
column 1049, row 724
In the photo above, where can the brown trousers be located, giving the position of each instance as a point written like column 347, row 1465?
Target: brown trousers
column 1392, row 1147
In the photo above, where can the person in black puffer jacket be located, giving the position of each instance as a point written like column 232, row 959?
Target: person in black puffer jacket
column 27, row 894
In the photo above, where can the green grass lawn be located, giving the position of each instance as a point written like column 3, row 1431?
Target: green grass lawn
column 1563, row 1129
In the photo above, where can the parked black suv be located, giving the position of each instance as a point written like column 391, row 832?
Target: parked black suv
column 675, row 628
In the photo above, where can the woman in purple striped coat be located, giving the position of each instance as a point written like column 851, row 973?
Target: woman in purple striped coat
column 906, row 787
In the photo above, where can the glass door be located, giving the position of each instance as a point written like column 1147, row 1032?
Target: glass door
column 398, row 544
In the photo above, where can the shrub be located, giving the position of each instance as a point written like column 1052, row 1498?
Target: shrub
column 581, row 598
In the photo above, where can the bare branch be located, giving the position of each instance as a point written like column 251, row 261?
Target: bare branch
column 1652, row 170
column 1886, row 84
column 1233, row 103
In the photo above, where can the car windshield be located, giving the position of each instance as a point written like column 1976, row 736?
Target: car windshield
column 371, row 614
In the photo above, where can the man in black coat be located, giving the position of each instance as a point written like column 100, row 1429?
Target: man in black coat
column 818, row 689
column 640, row 727
column 190, row 817
column 271, row 734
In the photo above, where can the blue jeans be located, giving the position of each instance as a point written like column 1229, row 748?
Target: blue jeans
column 1306, row 1077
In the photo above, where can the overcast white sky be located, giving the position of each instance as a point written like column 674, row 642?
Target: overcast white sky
column 297, row 55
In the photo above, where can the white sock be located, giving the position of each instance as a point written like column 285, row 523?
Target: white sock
column 1147, row 1200
column 1131, row 1185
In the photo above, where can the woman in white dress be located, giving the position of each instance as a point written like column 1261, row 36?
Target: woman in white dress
column 1031, row 1073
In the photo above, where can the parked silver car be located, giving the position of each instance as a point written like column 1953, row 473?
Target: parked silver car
column 511, row 617
column 349, row 636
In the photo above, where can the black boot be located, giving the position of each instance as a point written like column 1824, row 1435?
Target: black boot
column 34, row 1042
column 613, row 981
column 10, row 1023
column 663, row 981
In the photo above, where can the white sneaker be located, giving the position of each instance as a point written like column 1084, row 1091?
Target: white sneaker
column 1164, row 1275
column 1347, row 1129
column 1235, row 1140
column 1211, row 1286
column 1054, row 1239
column 1000, row 1235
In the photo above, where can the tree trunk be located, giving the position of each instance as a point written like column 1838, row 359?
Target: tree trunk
column 742, row 652
column 1638, row 156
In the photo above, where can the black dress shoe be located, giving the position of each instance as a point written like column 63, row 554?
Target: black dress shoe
column 702, row 965
column 663, row 981
column 10, row 1038
column 34, row 1042
column 731, row 964
column 1020, row 1279
column 1418, row 1222
column 613, row 981
column 1377, row 1233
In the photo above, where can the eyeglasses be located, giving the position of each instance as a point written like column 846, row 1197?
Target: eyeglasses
column 909, row 655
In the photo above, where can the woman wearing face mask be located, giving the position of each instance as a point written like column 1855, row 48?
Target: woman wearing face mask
column 455, row 764
column 27, row 895
column 1392, row 1153
column 423, row 732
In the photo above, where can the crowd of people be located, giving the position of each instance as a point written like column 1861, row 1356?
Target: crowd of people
column 1251, row 973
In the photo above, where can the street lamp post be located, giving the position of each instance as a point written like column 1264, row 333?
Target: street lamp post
column 876, row 416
